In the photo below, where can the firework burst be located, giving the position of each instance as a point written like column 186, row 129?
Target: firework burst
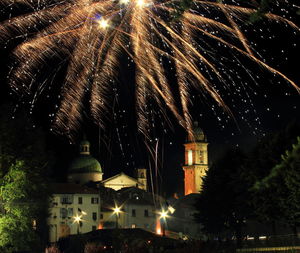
column 91, row 36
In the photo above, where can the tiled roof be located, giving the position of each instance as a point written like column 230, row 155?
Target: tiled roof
column 66, row 188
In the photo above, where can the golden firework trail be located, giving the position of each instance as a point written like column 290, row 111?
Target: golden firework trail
column 92, row 35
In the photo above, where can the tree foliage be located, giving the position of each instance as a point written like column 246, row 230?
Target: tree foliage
column 284, row 182
column 18, row 210
column 23, row 176
column 265, row 156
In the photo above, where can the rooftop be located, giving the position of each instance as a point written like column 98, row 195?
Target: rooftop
column 68, row 188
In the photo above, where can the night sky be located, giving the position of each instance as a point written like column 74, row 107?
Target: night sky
column 259, row 106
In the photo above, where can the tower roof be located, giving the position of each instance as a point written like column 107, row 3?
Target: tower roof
column 199, row 136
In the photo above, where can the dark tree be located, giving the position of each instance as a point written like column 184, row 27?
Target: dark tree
column 284, row 183
column 223, row 206
column 265, row 156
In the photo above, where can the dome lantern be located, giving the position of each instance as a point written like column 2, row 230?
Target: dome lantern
column 85, row 148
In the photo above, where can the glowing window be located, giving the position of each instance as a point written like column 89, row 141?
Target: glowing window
column 190, row 157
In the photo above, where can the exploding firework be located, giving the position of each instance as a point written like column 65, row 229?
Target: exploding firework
column 92, row 36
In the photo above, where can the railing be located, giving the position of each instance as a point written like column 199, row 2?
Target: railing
column 283, row 243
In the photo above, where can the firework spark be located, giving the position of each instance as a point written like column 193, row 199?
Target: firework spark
column 92, row 35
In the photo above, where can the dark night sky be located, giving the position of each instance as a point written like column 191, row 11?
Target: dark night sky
column 120, row 148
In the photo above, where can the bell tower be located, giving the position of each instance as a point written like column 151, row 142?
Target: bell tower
column 196, row 161
column 141, row 174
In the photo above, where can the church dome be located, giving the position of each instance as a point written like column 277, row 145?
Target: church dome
column 84, row 143
column 84, row 164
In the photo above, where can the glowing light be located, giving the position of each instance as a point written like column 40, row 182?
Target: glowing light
column 103, row 23
column 140, row 3
column 158, row 227
column 163, row 214
column 124, row 1
column 77, row 218
column 171, row 209
column 117, row 210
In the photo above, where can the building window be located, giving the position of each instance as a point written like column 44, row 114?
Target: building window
column 133, row 213
column 66, row 199
column 133, row 225
column 201, row 156
column 94, row 228
column 94, row 200
column 94, row 216
column 101, row 216
column 190, row 157
column 70, row 212
column 146, row 213
column 79, row 200
column 63, row 213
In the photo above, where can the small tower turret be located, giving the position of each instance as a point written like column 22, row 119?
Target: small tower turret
column 141, row 174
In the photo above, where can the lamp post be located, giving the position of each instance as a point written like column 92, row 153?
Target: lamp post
column 77, row 219
column 117, row 211
column 163, row 217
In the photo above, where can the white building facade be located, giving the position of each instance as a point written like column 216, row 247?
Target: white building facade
column 74, row 209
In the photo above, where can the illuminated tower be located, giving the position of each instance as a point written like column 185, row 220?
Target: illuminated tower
column 142, row 177
column 196, row 161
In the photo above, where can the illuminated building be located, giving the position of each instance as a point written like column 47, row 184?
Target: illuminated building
column 196, row 161
column 74, row 209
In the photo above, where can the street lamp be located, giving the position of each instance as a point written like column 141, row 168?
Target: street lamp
column 117, row 211
column 171, row 209
column 77, row 219
column 163, row 216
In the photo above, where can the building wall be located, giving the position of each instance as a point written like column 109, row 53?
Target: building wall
column 189, row 181
column 108, row 219
column 140, row 216
column 131, row 216
column 63, row 209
